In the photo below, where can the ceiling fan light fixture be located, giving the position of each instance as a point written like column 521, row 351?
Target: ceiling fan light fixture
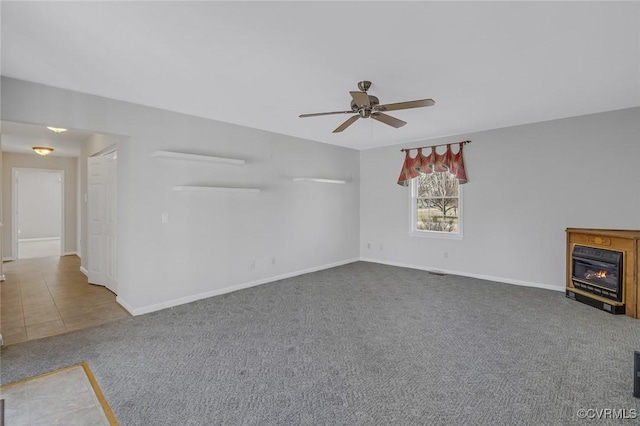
column 56, row 129
column 43, row 150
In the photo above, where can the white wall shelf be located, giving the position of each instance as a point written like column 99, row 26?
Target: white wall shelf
column 196, row 157
column 319, row 180
column 216, row 189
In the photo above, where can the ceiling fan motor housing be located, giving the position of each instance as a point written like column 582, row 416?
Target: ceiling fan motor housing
column 365, row 112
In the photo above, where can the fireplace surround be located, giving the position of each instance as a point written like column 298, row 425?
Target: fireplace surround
column 602, row 269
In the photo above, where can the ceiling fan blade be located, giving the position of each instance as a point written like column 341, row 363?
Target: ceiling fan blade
column 406, row 105
column 325, row 113
column 346, row 124
column 360, row 98
column 387, row 119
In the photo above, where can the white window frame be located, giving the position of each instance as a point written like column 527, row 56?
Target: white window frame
column 413, row 214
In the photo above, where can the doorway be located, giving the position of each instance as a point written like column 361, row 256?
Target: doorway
column 38, row 212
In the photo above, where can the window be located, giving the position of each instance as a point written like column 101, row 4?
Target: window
column 436, row 205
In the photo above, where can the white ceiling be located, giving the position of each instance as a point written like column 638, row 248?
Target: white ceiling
column 261, row 64
column 20, row 138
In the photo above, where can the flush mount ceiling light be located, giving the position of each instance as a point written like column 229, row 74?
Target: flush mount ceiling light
column 43, row 150
column 56, row 129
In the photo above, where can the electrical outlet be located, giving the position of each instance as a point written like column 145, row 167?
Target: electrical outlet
column 252, row 264
column 165, row 218
column 445, row 254
column 273, row 260
column 381, row 247
column 369, row 246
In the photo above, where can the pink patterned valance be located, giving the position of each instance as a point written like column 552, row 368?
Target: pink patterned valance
column 449, row 161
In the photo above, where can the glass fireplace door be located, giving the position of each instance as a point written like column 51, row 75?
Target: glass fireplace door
column 598, row 271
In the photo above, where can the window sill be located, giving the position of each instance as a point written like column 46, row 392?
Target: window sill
column 433, row 234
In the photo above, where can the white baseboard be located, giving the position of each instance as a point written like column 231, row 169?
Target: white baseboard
column 70, row 253
column 84, row 271
column 29, row 240
column 8, row 259
column 192, row 298
column 126, row 306
column 467, row 274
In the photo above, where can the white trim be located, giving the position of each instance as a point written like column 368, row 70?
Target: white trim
column 105, row 151
column 127, row 307
column 192, row 298
column 215, row 189
column 196, row 157
column 28, row 240
column 467, row 274
column 436, row 234
column 84, row 271
column 14, row 215
column 70, row 253
column 78, row 190
column 8, row 259
column 319, row 180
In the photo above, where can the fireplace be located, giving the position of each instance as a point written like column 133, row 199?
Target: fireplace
column 603, row 269
column 597, row 271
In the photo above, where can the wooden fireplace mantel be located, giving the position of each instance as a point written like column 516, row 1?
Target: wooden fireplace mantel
column 625, row 241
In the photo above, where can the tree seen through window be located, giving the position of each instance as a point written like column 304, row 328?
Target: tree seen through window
column 437, row 198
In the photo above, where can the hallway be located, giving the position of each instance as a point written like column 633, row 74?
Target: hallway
column 47, row 296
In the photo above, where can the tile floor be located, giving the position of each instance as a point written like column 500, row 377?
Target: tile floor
column 48, row 296
column 69, row 396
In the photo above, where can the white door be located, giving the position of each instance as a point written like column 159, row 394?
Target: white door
column 110, row 171
column 101, row 214
column 38, row 212
column 96, row 221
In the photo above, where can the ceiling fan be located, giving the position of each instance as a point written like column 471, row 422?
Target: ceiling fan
column 365, row 106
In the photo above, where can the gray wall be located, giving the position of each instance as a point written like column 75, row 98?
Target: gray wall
column 35, row 161
column 39, row 204
column 211, row 239
column 527, row 184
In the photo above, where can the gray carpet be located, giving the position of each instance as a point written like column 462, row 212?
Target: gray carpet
column 361, row 344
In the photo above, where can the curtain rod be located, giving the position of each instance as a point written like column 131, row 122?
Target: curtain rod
column 433, row 146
